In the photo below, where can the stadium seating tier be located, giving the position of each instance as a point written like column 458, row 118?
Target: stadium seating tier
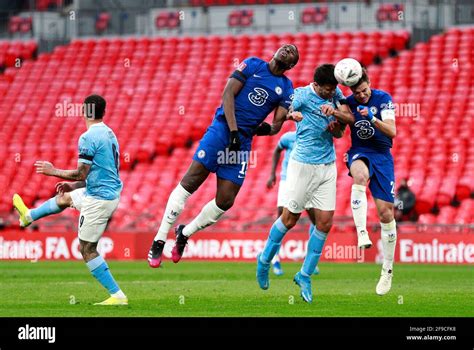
column 162, row 93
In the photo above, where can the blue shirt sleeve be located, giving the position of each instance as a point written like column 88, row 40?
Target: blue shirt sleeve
column 298, row 99
column 246, row 69
column 86, row 149
column 288, row 95
column 386, row 102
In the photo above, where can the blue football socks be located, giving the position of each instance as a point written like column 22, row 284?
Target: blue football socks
column 315, row 249
column 47, row 208
column 100, row 270
column 277, row 232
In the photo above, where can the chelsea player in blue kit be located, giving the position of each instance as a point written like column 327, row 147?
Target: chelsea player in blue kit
column 370, row 161
column 255, row 89
column 95, row 193
column 311, row 175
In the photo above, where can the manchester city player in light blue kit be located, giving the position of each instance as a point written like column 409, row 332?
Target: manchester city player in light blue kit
column 312, row 173
column 286, row 143
column 95, row 193
column 254, row 90
column 369, row 158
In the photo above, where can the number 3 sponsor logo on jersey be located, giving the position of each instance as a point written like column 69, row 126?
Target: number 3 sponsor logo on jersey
column 365, row 130
column 258, row 97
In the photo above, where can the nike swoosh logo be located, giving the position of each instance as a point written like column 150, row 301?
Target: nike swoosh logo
column 257, row 76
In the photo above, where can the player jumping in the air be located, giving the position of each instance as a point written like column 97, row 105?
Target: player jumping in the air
column 254, row 89
column 312, row 173
column 95, row 193
column 369, row 158
column 286, row 143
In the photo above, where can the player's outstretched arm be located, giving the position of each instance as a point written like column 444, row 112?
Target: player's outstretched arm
column 278, row 119
column 48, row 169
column 231, row 89
column 343, row 114
column 64, row 186
column 275, row 159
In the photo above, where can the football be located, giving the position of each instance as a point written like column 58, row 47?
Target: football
column 348, row 71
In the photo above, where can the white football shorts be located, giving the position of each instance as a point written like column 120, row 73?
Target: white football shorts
column 310, row 186
column 282, row 195
column 95, row 214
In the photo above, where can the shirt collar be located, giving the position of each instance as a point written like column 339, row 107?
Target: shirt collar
column 311, row 86
column 97, row 124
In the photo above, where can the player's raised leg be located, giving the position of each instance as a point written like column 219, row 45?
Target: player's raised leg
column 226, row 193
column 360, row 174
column 194, row 177
column 52, row 206
column 389, row 241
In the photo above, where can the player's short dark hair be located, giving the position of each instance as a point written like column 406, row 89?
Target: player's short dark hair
column 363, row 78
column 94, row 106
column 324, row 75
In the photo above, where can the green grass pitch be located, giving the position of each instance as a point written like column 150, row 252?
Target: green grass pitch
column 66, row 289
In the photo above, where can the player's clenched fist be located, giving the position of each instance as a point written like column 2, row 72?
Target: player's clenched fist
column 271, row 181
column 62, row 187
column 296, row 116
column 327, row 109
column 44, row 167
column 367, row 113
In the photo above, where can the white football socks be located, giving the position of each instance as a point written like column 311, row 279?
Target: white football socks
column 174, row 207
column 119, row 295
column 359, row 207
column 389, row 241
column 209, row 215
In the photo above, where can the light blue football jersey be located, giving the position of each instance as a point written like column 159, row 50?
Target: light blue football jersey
column 314, row 142
column 99, row 147
column 286, row 142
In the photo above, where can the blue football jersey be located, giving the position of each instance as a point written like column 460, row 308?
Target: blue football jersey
column 286, row 142
column 99, row 148
column 363, row 133
column 261, row 93
column 314, row 142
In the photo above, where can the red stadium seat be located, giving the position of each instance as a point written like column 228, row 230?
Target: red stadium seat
column 14, row 24
column 240, row 18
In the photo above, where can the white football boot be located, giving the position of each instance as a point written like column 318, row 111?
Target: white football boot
column 385, row 282
column 363, row 240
